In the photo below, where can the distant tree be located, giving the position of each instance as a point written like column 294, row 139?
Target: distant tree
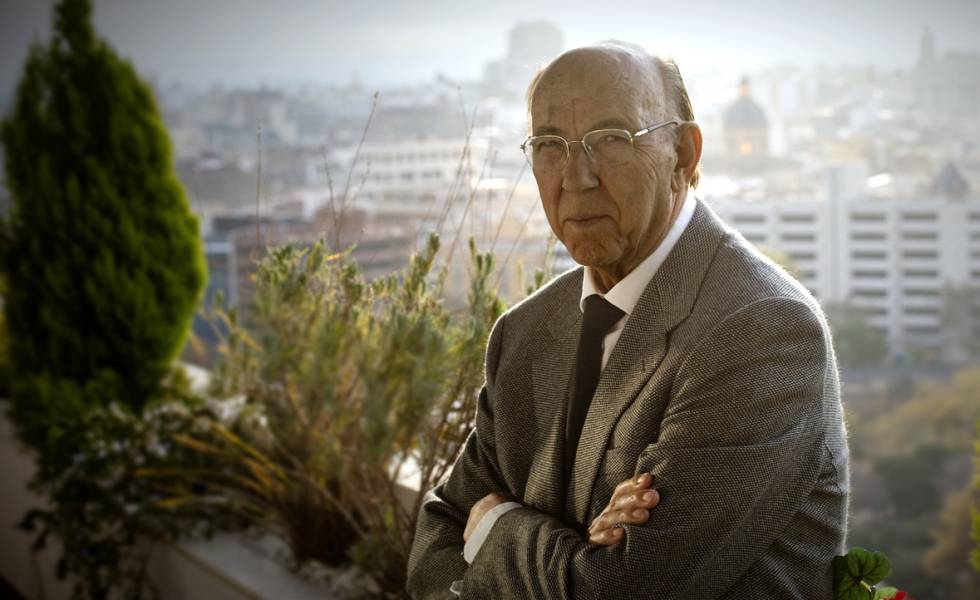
column 101, row 253
column 975, row 507
column 857, row 343
column 912, row 480
column 961, row 322
column 948, row 559
column 938, row 414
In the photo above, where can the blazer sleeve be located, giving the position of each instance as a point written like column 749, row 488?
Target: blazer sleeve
column 436, row 558
column 739, row 452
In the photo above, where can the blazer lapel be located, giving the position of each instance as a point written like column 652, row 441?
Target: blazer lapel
column 666, row 301
column 552, row 360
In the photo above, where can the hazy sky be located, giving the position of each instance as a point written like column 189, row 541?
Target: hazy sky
column 274, row 41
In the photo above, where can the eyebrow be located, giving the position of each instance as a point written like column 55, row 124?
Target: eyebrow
column 613, row 123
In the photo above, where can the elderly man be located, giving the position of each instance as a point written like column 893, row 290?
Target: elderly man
column 662, row 423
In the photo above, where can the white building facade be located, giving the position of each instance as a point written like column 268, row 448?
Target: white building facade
column 901, row 261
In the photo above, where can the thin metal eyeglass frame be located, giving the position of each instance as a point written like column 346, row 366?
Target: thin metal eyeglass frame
column 588, row 151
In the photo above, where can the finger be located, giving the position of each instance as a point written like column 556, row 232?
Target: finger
column 639, row 499
column 612, row 519
column 624, row 508
column 649, row 498
column 607, row 537
column 642, row 480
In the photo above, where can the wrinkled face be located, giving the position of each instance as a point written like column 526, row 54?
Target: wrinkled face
column 609, row 218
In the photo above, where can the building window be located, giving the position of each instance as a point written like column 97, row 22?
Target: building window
column 869, row 274
column 920, row 273
column 918, row 216
column 801, row 255
column 921, row 330
column 869, row 255
column 869, row 293
column 868, row 236
column 930, row 311
column 748, row 219
column 798, row 237
column 921, row 292
column 868, row 217
column 755, row 238
column 797, row 218
column 975, row 235
column 920, row 254
column 920, row 235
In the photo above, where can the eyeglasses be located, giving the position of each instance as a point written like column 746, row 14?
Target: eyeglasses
column 606, row 147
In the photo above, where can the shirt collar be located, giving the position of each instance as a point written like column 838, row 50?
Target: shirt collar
column 626, row 293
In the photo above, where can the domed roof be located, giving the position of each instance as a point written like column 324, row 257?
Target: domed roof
column 744, row 112
column 949, row 182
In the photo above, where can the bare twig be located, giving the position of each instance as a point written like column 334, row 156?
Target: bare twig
column 510, row 197
column 258, row 185
column 466, row 210
column 517, row 240
column 350, row 171
column 332, row 200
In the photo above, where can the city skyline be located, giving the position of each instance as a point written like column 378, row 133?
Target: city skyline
column 246, row 43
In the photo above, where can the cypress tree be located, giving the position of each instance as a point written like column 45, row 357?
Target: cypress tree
column 102, row 257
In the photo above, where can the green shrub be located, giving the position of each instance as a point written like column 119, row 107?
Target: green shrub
column 121, row 496
column 350, row 385
column 103, row 268
column 102, row 256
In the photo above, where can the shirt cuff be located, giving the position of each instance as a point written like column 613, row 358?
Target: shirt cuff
column 479, row 535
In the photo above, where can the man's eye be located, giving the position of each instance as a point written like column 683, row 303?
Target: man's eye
column 546, row 144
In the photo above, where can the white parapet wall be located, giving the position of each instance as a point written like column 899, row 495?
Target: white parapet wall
column 228, row 567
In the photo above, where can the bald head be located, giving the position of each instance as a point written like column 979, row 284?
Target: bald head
column 654, row 84
column 602, row 68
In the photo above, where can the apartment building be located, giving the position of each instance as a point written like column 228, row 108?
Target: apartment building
column 904, row 262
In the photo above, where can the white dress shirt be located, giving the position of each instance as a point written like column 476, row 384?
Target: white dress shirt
column 624, row 296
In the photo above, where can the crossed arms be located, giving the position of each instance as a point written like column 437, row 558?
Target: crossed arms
column 739, row 451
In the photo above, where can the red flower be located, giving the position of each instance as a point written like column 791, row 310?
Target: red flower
column 900, row 596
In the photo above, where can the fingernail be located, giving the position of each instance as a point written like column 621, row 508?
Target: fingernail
column 638, row 513
column 639, row 480
column 650, row 496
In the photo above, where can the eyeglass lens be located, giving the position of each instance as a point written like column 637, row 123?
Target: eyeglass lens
column 606, row 147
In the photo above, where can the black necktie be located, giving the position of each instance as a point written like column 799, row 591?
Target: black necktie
column 599, row 316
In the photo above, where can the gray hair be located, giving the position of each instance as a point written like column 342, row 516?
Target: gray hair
column 668, row 73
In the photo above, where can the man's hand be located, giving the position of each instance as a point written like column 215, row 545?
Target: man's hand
column 480, row 508
column 630, row 503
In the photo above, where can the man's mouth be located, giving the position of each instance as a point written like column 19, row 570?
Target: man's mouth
column 585, row 221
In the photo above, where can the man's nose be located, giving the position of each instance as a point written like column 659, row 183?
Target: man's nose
column 579, row 172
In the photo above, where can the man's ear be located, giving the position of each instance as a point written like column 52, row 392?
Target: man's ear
column 688, row 148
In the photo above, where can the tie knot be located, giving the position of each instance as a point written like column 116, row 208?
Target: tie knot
column 600, row 315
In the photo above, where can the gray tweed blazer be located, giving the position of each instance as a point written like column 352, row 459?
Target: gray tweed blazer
column 723, row 385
